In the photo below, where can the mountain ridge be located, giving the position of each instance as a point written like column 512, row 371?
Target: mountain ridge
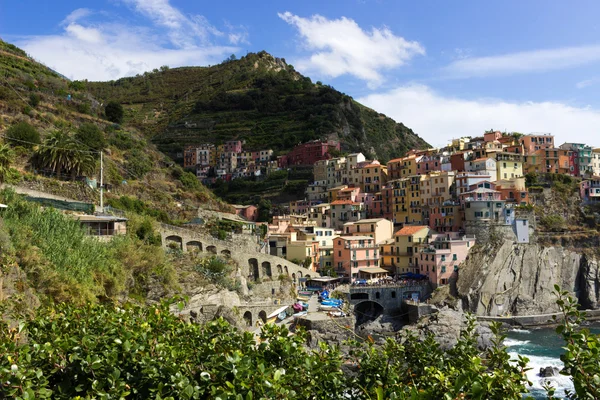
column 260, row 99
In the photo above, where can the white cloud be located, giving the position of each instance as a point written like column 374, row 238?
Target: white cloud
column 438, row 118
column 341, row 47
column 237, row 34
column 105, row 50
column 525, row 62
column 183, row 31
column 90, row 35
column 587, row 82
column 76, row 15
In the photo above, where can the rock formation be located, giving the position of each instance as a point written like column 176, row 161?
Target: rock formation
column 508, row 278
column 446, row 325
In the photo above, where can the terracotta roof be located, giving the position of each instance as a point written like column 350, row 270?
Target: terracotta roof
column 342, row 202
column 371, row 165
column 410, row 230
column 348, row 189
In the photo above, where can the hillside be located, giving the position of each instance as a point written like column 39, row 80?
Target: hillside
column 38, row 99
column 259, row 99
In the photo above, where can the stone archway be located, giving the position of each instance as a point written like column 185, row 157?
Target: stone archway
column 285, row 268
column 226, row 253
column 248, row 318
column 263, row 316
column 266, row 269
column 194, row 246
column 174, row 241
column 279, row 269
column 253, row 269
column 211, row 249
column 294, row 277
column 367, row 311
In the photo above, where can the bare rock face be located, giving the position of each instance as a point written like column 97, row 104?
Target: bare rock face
column 446, row 325
column 518, row 279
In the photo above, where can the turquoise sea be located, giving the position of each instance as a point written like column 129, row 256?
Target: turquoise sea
column 543, row 347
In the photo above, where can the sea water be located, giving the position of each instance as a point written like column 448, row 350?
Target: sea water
column 543, row 348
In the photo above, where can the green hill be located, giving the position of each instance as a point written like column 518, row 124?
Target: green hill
column 37, row 98
column 259, row 99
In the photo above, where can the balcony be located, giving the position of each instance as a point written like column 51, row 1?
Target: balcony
column 361, row 246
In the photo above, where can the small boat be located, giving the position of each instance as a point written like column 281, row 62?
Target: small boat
column 336, row 314
column 300, row 314
column 328, row 308
column 307, row 293
column 272, row 318
column 331, row 303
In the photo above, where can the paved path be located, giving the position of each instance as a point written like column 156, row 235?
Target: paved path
column 37, row 193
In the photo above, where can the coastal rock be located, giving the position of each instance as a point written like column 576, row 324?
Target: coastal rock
column 379, row 326
column 518, row 279
column 446, row 325
column 546, row 372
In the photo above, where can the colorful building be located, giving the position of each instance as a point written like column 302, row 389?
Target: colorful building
column 377, row 228
column 441, row 257
column 407, row 242
column 350, row 253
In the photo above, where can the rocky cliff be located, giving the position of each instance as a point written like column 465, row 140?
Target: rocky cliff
column 508, row 278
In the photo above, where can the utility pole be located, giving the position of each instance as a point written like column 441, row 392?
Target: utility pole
column 101, row 182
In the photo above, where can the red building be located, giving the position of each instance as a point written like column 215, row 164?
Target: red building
column 309, row 153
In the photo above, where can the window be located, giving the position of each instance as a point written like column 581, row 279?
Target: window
column 454, row 257
column 339, row 253
column 410, row 239
column 443, row 257
column 443, row 269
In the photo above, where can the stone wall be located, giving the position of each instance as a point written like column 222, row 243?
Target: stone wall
column 253, row 265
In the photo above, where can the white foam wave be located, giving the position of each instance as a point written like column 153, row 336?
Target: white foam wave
column 514, row 342
column 517, row 330
column 560, row 382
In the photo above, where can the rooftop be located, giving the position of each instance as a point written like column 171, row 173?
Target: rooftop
column 343, row 202
column 99, row 218
column 410, row 230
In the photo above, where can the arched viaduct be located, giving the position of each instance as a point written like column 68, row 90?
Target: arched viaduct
column 388, row 298
column 254, row 265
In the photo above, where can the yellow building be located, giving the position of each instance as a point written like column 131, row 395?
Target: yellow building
column 436, row 187
column 302, row 249
column 387, row 256
column 415, row 214
column 402, row 167
column 407, row 243
column 508, row 165
column 372, row 177
column 399, row 201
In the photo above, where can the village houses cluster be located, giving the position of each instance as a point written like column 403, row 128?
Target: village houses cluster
column 422, row 213
column 227, row 161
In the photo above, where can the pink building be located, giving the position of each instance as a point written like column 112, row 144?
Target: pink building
column 350, row 253
column 446, row 218
column 492, row 135
column 426, row 164
column 309, row 153
column 249, row 213
column 233, row 146
column 442, row 256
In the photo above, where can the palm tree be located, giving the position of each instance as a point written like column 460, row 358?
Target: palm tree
column 6, row 158
column 61, row 153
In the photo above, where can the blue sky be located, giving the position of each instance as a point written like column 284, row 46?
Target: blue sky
column 445, row 69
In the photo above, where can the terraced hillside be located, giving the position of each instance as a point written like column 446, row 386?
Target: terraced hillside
column 44, row 102
column 259, row 99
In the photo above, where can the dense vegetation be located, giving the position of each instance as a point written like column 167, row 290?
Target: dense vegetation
column 109, row 351
column 259, row 99
column 61, row 263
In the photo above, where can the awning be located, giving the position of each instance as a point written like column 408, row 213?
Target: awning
column 373, row 270
column 324, row 279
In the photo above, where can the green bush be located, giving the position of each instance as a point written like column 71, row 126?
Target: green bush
column 90, row 135
column 34, row 100
column 138, row 164
column 114, row 112
column 553, row 222
column 24, row 135
column 190, row 181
